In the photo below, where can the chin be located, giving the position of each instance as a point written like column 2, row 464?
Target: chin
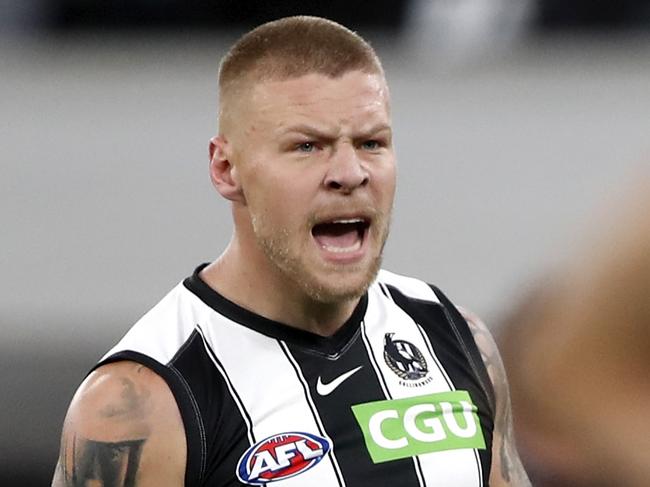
column 316, row 278
column 335, row 294
column 339, row 287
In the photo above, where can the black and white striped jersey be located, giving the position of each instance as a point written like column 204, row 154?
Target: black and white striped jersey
column 398, row 396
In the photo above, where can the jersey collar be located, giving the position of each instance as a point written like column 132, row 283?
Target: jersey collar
column 330, row 346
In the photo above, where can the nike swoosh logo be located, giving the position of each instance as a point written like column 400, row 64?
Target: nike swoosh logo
column 325, row 389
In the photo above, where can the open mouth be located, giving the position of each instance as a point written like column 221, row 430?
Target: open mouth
column 343, row 235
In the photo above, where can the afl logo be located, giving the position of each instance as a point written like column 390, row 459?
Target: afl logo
column 404, row 358
column 280, row 457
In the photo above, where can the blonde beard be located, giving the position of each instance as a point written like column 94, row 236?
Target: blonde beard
column 275, row 245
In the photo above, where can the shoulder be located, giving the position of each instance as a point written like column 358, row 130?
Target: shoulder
column 163, row 330
column 410, row 287
column 126, row 412
column 125, row 392
column 480, row 331
column 507, row 469
column 489, row 351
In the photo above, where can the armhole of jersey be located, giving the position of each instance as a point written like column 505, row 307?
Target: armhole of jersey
column 186, row 405
column 466, row 338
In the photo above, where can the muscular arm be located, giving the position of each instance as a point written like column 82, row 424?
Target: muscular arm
column 123, row 429
column 507, row 469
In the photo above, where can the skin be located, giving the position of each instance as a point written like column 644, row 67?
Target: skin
column 123, row 429
column 582, row 384
column 507, row 469
column 304, row 150
column 330, row 141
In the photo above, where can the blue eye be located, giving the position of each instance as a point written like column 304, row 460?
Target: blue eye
column 371, row 145
column 306, row 147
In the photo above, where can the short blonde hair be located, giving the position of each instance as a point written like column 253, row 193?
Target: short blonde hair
column 292, row 47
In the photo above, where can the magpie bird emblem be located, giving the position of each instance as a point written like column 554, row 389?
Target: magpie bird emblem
column 404, row 358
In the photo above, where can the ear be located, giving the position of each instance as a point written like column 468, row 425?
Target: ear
column 223, row 173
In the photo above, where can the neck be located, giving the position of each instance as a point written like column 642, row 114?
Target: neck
column 249, row 280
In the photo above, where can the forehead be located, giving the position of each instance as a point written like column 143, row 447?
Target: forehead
column 352, row 98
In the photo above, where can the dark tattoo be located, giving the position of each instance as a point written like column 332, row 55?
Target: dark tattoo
column 506, row 461
column 512, row 471
column 131, row 405
column 109, row 464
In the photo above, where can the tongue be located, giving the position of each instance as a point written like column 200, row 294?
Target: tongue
column 336, row 235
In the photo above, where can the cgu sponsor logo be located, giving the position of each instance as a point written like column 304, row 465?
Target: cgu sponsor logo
column 402, row 428
column 280, row 457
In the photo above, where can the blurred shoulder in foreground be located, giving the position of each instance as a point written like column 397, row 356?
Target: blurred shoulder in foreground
column 578, row 360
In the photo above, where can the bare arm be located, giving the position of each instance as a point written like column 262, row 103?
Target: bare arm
column 507, row 470
column 123, row 429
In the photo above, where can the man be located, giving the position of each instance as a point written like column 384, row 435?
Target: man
column 292, row 359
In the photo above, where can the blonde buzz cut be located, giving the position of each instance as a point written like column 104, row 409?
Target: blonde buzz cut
column 289, row 48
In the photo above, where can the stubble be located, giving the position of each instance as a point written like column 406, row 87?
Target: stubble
column 341, row 282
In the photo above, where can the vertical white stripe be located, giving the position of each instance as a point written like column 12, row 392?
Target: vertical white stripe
column 273, row 397
column 383, row 317
column 163, row 329
column 233, row 394
column 480, row 468
column 418, row 472
column 321, row 427
column 439, row 469
column 371, row 357
column 382, row 383
column 409, row 286
column 433, row 353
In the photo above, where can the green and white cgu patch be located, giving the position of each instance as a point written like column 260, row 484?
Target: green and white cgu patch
column 402, row 428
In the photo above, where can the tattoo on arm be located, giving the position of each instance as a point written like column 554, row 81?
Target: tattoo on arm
column 512, row 471
column 86, row 462
column 506, row 455
column 110, row 464
column 131, row 406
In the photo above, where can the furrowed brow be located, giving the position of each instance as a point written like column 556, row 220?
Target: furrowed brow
column 379, row 131
column 309, row 130
column 375, row 129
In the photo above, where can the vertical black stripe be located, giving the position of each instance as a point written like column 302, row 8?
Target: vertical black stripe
column 382, row 288
column 380, row 376
column 227, row 424
column 184, row 403
column 197, row 412
column 466, row 340
column 314, row 412
column 375, row 365
column 418, row 468
column 335, row 412
column 451, row 387
column 456, row 359
column 469, row 347
column 443, row 372
column 240, row 404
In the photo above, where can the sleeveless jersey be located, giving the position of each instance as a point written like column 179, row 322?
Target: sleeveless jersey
column 398, row 396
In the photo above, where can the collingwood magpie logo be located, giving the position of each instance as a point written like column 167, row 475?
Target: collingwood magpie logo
column 404, row 358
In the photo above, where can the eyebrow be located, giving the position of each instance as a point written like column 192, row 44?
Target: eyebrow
column 307, row 129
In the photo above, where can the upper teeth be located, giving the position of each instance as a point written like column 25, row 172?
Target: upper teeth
column 351, row 220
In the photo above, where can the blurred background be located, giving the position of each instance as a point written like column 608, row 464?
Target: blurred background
column 515, row 121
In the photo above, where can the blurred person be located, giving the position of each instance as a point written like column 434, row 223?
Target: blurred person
column 577, row 353
column 293, row 358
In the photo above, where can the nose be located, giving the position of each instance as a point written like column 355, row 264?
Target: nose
column 346, row 171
